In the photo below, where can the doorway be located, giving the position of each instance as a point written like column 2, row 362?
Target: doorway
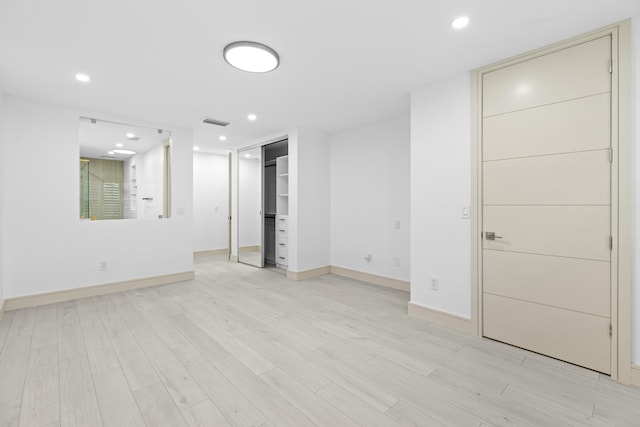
column 263, row 205
column 547, row 203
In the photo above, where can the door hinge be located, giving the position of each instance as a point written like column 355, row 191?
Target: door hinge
column 610, row 155
column 611, row 66
column 481, row 235
column 610, row 330
column 610, row 243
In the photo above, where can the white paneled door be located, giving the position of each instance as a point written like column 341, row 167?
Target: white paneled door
column 546, row 171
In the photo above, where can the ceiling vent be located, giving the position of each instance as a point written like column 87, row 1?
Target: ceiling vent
column 212, row 121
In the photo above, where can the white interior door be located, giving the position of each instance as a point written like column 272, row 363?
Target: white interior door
column 546, row 170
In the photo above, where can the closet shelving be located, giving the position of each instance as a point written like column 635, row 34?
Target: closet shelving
column 282, row 211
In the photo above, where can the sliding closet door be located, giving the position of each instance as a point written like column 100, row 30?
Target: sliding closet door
column 250, row 246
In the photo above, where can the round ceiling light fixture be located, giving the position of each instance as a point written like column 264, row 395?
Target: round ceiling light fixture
column 460, row 22
column 251, row 56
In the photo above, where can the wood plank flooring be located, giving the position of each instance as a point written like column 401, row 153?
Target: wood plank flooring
column 240, row 346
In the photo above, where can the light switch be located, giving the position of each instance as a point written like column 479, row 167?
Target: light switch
column 466, row 212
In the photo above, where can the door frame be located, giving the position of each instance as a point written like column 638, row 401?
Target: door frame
column 621, row 366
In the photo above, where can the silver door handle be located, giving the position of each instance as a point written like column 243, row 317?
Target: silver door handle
column 490, row 235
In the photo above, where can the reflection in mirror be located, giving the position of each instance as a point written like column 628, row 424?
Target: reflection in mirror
column 250, row 207
column 124, row 171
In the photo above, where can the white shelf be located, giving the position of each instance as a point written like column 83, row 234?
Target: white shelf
column 282, row 185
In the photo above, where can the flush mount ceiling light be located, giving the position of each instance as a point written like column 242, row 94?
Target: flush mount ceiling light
column 83, row 78
column 222, row 138
column 460, row 22
column 252, row 117
column 196, row 148
column 119, row 145
column 251, row 56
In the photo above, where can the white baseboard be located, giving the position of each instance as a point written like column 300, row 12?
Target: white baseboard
column 1, row 309
column 441, row 318
column 233, row 258
column 91, row 291
column 371, row 278
column 308, row 274
column 635, row 375
column 200, row 254
column 350, row 274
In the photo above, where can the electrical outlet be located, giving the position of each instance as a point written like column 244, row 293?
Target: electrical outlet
column 396, row 262
column 396, row 225
column 103, row 266
column 435, row 283
column 367, row 257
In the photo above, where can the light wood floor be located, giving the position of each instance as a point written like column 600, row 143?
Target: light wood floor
column 246, row 347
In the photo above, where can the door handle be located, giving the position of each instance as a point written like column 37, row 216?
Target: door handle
column 490, row 235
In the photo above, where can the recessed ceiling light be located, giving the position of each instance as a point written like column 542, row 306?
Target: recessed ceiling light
column 130, row 135
column 119, row 145
column 251, row 56
column 111, row 152
column 460, row 22
column 83, row 78
column 252, row 117
column 248, row 156
column 222, row 138
column 124, row 151
column 196, row 148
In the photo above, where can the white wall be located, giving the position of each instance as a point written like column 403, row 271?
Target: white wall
column 440, row 177
column 309, row 212
column 369, row 192
column 47, row 247
column 440, row 187
column 210, row 201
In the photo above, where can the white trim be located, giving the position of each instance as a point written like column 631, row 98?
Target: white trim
column 91, row 291
column 621, row 190
column 308, row 274
column 1, row 309
column 201, row 254
column 441, row 318
column 374, row 279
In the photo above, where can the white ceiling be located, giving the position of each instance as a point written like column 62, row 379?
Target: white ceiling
column 344, row 63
